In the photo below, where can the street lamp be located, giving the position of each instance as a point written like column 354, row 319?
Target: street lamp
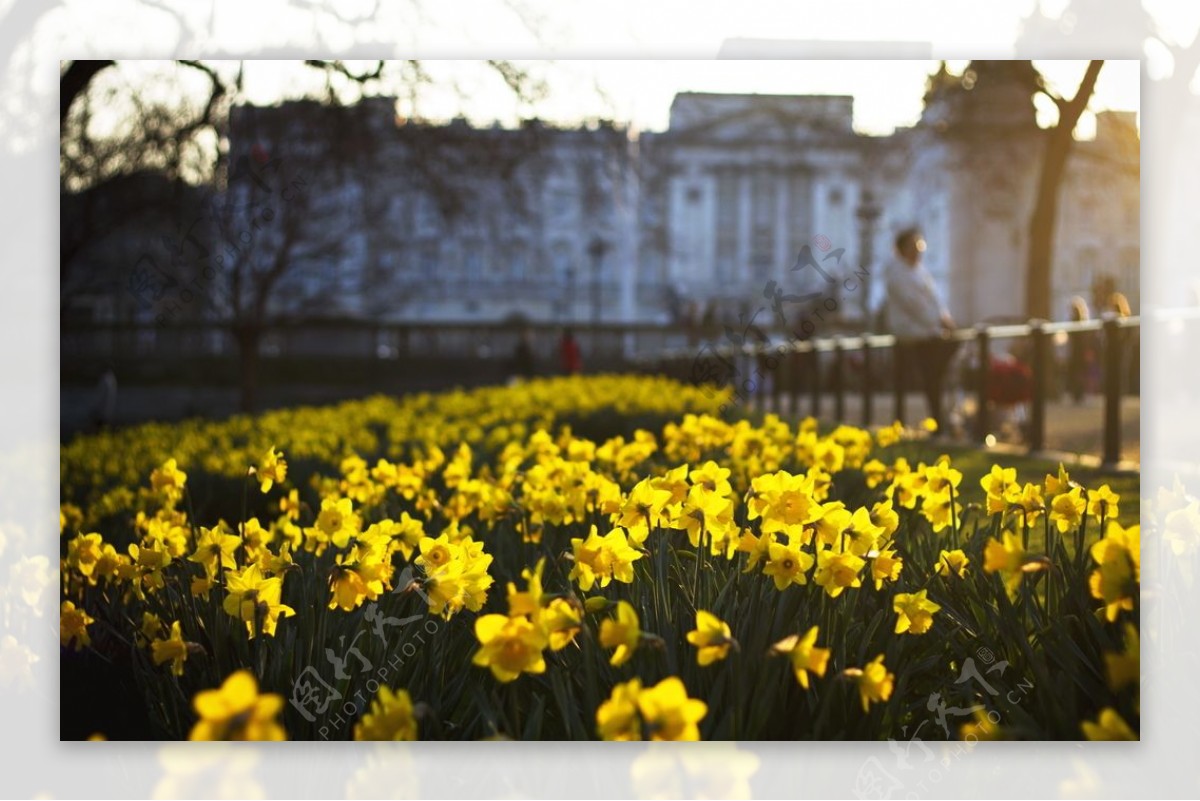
column 597, row 248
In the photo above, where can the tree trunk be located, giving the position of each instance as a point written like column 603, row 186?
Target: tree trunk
column 248, row 338
column 1039, row 263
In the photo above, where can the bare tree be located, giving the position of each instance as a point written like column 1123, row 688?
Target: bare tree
column 1042, row 223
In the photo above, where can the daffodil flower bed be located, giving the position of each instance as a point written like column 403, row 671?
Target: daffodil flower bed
column 469, row 565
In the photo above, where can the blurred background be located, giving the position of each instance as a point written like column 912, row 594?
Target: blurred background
column 240, row 235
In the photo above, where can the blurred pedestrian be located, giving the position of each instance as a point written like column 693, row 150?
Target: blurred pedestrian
column 920, row 321
column 523, row 355
column 572, row 359
column 104, row 410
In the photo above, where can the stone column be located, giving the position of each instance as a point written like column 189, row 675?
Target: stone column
column 741, row 267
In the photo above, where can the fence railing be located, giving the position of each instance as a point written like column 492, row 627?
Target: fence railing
column 773, row 374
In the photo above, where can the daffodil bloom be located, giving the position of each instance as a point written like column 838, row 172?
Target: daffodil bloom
column 1067, row 509
column 355, row 578
column 787, row 565
column 255, row 599
column 237, row 711
column 271, row 470
column 915, row 612
column 1102, row 503
column 940, row 511
column 1125, row 667
column 1058, row 483
column 644, row 508
column 883, row 515
column 711, row 637
column 173, row 649
column 529, row 602
column 509, row 646
column 290, row 505
column 889, row 435
column 169, row 480
column 623, row 633
column 1118, row 568
column 602, row 559
column 713, row 478
column 561, row 620
column 756, row 547
column 1006, row 556
column 617, row 718
column 941, row 478
column 980, row 727
column 837, row 570
column 1030, row 502
column 861, row 533
column 337, row 521
column 875, row 472
column 952, row 562
column 1108, row 726
column 875, row 682
column 668, row 712
column 83, row 553
column 152, row 628
column 390, row 717
column 215, row 551
column 804, row 654
column 885, row 566
column 704, row 511
column 72, row 628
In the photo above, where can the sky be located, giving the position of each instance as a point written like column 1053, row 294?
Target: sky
column 887, row 94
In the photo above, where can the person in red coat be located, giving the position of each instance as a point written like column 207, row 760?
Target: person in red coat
column 572, row 359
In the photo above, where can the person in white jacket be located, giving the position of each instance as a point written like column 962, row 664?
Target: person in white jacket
column 919, row 319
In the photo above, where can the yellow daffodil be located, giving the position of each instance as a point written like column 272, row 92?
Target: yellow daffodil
column 952, row 563
column 711, row 637
column 173, row 649
column 1118, row 569
column 623, row 633
column 237, row 711
column 915, row 612
column 1108, row 726
column 875, row 682
column 885, row 566
column 271, row 470
column 390, row 717
column 787, row 565
column 1067, row 509
column 1006, row 556
column 73, row 623
column 838, row 570
column 509, row 646
column 255, row 599
column 804, row 654
column 668, row 713
column 617, row 718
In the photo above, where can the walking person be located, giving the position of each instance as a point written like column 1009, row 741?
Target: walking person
column 920, row 321
column 523, row 363
column 572, row 359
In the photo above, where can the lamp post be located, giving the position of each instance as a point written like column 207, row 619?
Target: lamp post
column 597, row 249
column 868, row 214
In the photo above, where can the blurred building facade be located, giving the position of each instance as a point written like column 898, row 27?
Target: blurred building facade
column 388, row 220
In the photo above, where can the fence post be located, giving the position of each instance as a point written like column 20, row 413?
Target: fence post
column 1037, row 412
column 839, row 380
column 985, row 362
column 868, row 384
column 1112, row 390
column 815, row 410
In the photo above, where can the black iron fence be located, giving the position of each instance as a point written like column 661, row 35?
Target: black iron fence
column 1035, row 362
